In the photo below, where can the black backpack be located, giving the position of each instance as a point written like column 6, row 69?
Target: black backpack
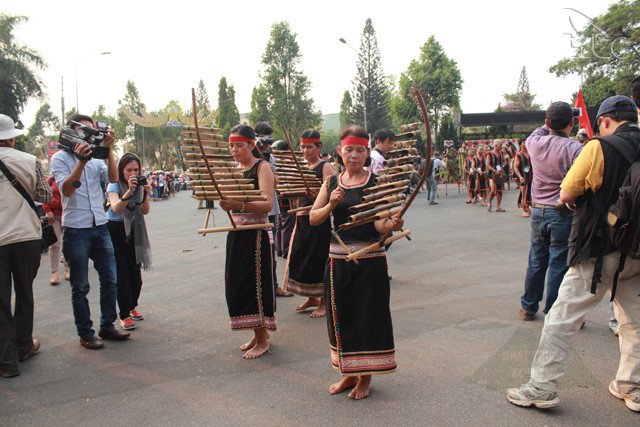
column 623, row 216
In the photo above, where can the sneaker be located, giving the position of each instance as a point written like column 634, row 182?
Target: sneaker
column 528, row 395
column 632, row 400
column 135, row 315
column 127, row 324
column 526, row 316
column 433, row 203
column 615, row 328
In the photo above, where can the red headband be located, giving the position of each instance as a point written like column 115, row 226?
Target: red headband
column 239, row 138
column 309, row 140
column 354, row 140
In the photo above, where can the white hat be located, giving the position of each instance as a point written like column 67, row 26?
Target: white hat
column 582, row 131
column 8, row 128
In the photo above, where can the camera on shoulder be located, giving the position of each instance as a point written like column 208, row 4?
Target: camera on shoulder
column 77, row 133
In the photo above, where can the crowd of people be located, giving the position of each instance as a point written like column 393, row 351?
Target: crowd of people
column 563, row 184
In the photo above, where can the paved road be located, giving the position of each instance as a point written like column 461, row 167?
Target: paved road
column 459, row 340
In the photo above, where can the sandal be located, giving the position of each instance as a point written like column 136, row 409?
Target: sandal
column 489, row 209
column 500, row 210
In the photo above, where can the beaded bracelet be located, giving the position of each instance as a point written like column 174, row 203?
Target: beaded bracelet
column 242, row 210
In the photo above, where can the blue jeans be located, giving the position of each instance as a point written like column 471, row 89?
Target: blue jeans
column 547, row 257
column 80, row 245
column 432, row 188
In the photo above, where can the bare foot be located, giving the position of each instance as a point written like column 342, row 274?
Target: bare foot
column 251, row 343
column 342, row 385
column 361, row 390
column 311, row 302
column 258, row 350
column 55, row 279
column 321, row 311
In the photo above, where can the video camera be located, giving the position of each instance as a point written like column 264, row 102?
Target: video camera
column 70, row 138
column 577, row 112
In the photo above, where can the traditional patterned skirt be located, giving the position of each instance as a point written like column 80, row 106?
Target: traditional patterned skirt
column 358, row 314
column 308, row 252
column 249, row 287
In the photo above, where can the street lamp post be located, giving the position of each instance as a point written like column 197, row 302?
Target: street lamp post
column 364, row 88
column 97, row 54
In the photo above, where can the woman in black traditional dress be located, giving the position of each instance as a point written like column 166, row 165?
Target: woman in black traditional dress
column 309, row 249
column 471, row 173
column 357, row 295
column 524, row 172
column 249, row 287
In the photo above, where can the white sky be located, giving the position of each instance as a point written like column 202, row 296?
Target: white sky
column 167, row 47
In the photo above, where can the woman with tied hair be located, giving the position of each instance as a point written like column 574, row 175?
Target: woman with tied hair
column 357, row 295
column 524, row 173
column 249, row 286
column 309, row 248
column 128, row 205
column 471, row 173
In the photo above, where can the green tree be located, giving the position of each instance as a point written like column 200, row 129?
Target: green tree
column 522, row 99
column 129, row 134
column 18, row 79
column 436, row 74
column 260, row 105
column 345, row 106
column 369, row 85
column 202, row 100
column 44, row 128
column 228, row 115
column 607, row 53
column 286, row 88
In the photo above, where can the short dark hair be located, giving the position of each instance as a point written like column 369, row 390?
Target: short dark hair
column 312, row 134
column 622, row 116
column 354, row 130
column 383, row 135
column 244, row 130
column 263, row 128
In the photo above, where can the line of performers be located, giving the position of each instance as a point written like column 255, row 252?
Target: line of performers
column 354, row 295
column 487, row 169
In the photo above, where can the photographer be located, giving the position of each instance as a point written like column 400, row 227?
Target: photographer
column 86, row 236
column 552, row 153
column 129, row 203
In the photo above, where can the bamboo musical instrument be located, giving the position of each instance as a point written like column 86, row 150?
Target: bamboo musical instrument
column 206, row 161
column 295, row 158
column 357, row 254
column 302, row 209
column 423, row 177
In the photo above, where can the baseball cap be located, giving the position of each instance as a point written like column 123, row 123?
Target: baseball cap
column 617, row 103
column 559, row 114
column 8, row 128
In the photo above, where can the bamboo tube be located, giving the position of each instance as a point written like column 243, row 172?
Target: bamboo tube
column 399, row 169
column 341, row 243
column 354, row 256
column 383, row 194
column 381, row 215
column 265, row 226
column 382, row 179
column 372, row 212
column 301, row 209
column 237, row 175
column 209, row 195
column 196, row 149
column 227, row 187
column 207, row 142
column 409, row 126
column 400, row 161
column 370, row 190
column 376, row 202
column 217, row 163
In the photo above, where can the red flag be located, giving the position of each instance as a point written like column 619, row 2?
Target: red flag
column 584, row 118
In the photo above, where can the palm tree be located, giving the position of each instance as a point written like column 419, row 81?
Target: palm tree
column 18, row 80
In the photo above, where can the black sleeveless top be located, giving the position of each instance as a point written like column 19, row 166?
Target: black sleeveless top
column 252, row 174
column 352, row 195
column 304, row 200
